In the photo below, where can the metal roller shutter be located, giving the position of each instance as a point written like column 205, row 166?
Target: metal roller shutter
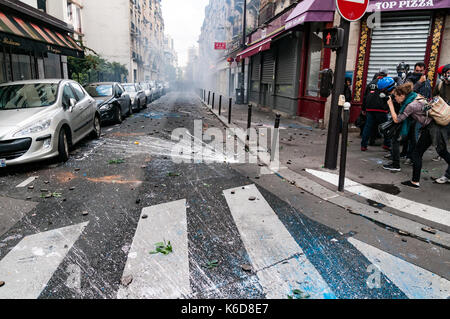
column 399, row 39
column 268, row 67
column 286, row 62
column 256, row 60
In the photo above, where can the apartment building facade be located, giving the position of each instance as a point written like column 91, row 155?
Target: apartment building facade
column 223, row 24
column 130, row 32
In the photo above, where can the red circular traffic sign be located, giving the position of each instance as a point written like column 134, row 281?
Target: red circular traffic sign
column 352, row 10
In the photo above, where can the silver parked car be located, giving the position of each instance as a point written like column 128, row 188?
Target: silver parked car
column 148, row 91
column 137, row 95
column 42, row 119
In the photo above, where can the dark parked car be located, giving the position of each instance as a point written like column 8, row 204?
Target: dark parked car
column 137, row 95
column 112, row 101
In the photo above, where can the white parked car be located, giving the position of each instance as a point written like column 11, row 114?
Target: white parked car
column 42, row 119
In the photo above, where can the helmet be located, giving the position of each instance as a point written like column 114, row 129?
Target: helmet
column 386, row 84
column 446, row 69
column 403, row 67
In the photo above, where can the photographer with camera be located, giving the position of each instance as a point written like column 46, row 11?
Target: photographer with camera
column 376, row 110
column 412, row 106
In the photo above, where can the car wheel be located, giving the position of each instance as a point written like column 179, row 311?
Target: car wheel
column 63, row 146
column 118, row 117
column 138, row 106
column 130, row 110
column 97, row 132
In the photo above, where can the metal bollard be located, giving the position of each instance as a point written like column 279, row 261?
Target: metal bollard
column 276, row 133
column 220, row 105
column 213, row 102
column 209, row 95
column 229, row 111
column 249, row 121
column 343, row 163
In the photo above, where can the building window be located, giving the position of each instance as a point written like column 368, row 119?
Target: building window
column 22, row 67
column 2, row 68
column 42, row 5
column 314, row 63
column 52, row 66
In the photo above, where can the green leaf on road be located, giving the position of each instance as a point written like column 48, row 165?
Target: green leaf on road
column 116, row 161
column 162, row 248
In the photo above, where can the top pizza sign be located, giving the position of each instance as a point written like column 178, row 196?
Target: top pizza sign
column 352, row 10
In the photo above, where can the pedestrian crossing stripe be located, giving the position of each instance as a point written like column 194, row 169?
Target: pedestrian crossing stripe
column 434, row 214
column 29, row 266
column 280, row 263
column 158, row 276
column 415, row 282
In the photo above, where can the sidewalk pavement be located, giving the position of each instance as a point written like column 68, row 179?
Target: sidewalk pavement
column 302, row 147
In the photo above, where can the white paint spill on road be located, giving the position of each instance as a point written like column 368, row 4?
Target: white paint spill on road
column 415, row 282
column 423, row 211
column 27, row 182
column 279, row 261
column 29, row 266
column 159, row 276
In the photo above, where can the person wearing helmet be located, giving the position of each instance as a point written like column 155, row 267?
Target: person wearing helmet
column 402, row 73
column 376, row 110
column 443, row 88
column 386, row 86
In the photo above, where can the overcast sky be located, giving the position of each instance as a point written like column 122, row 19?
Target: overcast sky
column 183, row 21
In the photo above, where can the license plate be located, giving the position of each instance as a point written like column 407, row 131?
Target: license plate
column 2, row 162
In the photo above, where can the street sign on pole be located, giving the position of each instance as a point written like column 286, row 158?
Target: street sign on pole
column 352, row 10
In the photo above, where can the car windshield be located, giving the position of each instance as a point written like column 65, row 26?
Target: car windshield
column 129, row 88
column 100, row 90
column 20, row 96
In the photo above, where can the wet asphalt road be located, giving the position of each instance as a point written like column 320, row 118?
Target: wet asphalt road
column 110, row 197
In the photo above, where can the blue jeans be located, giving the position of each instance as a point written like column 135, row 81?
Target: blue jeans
column 374, row 119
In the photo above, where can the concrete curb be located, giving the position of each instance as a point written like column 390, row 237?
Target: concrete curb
column 402, row 225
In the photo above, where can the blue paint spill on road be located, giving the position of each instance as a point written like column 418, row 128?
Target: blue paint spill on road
column 159, row 115
column 298, row 126
column 340, row 264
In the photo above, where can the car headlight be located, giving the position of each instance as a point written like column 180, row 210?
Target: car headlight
column 106, row 107
column 34, row 128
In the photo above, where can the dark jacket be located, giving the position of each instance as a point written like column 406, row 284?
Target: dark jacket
column 443, row 90
column 422, row 88
column 372, row 100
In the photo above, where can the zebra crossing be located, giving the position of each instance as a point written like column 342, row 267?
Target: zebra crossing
column 281, row 247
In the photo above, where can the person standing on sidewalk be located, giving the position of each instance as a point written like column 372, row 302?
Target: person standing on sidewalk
column 376, row 110
column 422, row 86
column 386, row 87
column 443, row 90
column 432, row 133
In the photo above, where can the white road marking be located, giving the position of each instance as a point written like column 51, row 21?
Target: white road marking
column 426, row 212
column 415, row 282
column 159, row 276
column 27, row 182
column 279, row 261
column 29, row 266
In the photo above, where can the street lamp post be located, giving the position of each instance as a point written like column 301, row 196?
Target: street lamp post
column 244, row 40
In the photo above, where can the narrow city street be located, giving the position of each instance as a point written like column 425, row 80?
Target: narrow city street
column 123, row 219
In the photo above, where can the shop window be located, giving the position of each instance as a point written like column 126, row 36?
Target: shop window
column 315, row 55
column 52, row 66
column 21, row 67
column 2, row 68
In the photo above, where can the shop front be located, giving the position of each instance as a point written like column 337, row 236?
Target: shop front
column 33, row 48
column 287, row 57
column 410, row 32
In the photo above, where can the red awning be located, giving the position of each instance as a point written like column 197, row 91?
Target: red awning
column 261, row 46
column 311, row 11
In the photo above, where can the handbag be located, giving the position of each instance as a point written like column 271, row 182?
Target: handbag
column 361, row 121
column 389, row 129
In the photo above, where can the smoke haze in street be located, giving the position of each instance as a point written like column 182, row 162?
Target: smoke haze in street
column 183, row 21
